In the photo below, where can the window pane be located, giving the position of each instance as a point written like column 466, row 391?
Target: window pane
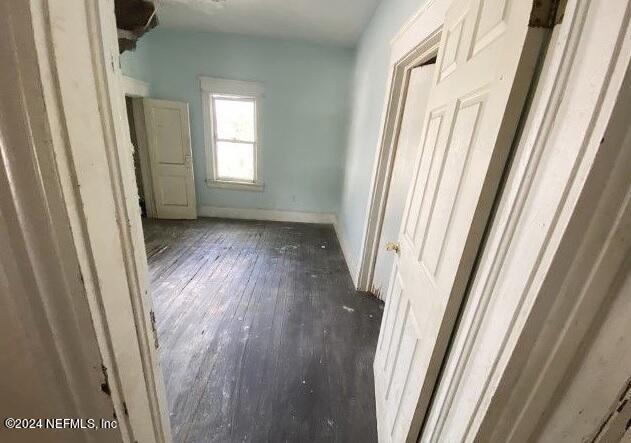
column 235, row 161
column 235, row 119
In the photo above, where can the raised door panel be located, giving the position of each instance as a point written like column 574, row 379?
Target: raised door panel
column 173, row 191
column 491, row 23
column 452, row 47
column 168, row 136
column 426, row 176
column 451, row 192
column 400, row 365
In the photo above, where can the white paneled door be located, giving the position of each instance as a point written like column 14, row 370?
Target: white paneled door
column 407, row 149
column 169, row 143
column 483, row 72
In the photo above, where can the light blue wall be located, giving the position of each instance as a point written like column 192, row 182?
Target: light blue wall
column 136, row 63
column 304, row 114
column 369, row 91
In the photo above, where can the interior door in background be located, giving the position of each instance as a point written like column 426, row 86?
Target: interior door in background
column 407, row 149
column 169, row 143
column 485, row 63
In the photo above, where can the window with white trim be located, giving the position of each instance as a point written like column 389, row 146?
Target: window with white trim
column 231, row 132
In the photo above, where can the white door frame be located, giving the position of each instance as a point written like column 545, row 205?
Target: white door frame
column 416, row 43
column 138, row 111
column 137, row 90
column 79, row 80
column 51, row 358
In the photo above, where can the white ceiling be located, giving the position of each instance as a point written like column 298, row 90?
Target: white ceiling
column 337, row 22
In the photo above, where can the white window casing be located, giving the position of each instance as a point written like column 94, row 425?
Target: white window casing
column 212, row 89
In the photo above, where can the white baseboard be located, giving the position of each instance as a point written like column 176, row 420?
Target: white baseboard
column 352, row 264
column 267, row 214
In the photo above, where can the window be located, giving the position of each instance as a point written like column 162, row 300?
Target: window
column 231, row 111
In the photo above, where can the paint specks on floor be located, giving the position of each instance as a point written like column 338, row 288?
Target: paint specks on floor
column 286, row 248
column 248, row 314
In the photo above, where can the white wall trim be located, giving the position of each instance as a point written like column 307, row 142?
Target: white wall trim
column 228, row 86
column 133, row 87
column 429, row 16
column 267, row 214
column 236, row 185
column 255, row 90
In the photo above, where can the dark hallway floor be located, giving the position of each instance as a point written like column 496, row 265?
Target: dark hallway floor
column 262, row 337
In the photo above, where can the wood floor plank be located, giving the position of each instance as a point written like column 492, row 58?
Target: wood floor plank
column 262, row 337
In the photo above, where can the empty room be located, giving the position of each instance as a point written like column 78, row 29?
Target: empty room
column 242, row 140
column 298, row 221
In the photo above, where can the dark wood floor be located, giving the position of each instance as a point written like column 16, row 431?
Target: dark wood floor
column 262, row 337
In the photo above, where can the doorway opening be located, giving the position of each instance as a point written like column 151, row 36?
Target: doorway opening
column 423, row 55
column 133, row 131
column 260, row 329
column 408, row 144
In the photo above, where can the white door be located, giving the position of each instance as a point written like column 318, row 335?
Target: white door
column 484, row 69
column 169, row 143
column 407, row 149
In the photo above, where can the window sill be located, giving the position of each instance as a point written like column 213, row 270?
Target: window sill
column 239, row 186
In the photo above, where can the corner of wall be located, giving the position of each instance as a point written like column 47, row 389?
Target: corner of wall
column 351, row 261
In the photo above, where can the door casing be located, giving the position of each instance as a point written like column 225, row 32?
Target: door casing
column 137, row 90
column 407, row 146
column 415, row 44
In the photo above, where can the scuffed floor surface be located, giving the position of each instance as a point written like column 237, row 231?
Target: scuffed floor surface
column 262, row 337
